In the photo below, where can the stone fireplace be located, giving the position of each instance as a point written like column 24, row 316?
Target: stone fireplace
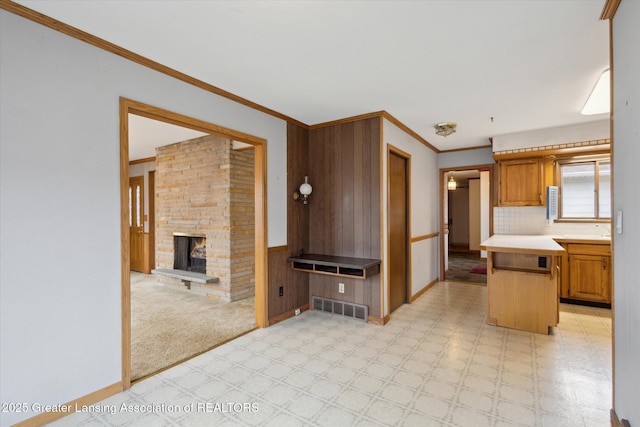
column 205, row 201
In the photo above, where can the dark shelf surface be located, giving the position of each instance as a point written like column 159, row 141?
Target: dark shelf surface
column 335, row 261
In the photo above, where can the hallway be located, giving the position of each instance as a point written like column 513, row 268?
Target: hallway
column 461, row 265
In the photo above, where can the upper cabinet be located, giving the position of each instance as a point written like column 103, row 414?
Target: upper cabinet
column 521, row 182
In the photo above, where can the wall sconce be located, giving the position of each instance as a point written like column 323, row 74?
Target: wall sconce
column 303, row 192
column 451, row 184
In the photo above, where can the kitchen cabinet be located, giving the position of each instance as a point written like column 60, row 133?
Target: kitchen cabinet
column 586, row 272
column 521, row 182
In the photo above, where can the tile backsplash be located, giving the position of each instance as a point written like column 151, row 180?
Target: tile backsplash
column 532, row 220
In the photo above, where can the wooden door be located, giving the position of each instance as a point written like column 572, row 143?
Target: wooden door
column 136, row 223
column 398, row 232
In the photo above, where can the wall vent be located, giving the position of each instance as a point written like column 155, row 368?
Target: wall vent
column 552, row 202
column 347, row 309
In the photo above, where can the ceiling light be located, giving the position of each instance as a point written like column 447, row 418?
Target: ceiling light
column 445, row 128
column 599, row 101
column 451, row 184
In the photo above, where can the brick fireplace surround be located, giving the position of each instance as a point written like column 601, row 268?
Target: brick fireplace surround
column 205, row 187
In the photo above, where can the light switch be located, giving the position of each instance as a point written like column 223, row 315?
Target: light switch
column 619, row 222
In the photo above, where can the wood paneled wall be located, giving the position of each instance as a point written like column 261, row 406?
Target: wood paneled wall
column 295, row 284
column 344, row 210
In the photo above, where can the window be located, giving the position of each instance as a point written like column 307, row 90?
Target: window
column 585, row 188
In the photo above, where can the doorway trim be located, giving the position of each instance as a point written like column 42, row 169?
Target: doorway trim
column 407, row 157
column 443, row 188
column 128, row 106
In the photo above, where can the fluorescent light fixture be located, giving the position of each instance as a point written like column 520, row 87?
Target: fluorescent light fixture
column 599, row 100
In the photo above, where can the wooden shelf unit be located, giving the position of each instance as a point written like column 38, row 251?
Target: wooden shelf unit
column 358, row 268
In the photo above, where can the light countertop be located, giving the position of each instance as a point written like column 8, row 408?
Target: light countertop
column 540, row 245
column 599, row 239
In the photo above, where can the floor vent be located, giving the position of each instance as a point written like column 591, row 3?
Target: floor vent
column 356, row 311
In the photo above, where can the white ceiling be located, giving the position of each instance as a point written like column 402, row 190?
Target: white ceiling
column 147, row 134
column 529, row 64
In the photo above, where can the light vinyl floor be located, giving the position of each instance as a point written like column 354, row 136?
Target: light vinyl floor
column 436, row 363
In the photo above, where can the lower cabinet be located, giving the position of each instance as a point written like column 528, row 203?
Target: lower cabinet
column 586, row 272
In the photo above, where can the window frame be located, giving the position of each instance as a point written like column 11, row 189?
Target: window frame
column 591, row 159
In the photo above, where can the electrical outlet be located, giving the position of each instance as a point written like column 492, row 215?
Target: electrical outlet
column 341, row 288
column 281, row 291
column 297, row 311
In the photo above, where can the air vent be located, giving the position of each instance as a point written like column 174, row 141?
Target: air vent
column 341, row 308
column 552, row 202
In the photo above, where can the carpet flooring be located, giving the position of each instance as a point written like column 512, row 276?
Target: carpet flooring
column 171, row 325
column 461, row 264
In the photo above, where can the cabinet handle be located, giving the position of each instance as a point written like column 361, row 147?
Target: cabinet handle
column 604, row 263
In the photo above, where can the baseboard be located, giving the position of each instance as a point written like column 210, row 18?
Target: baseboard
column 287, row 314
column 70, row 407
column 586, row 303
column 423, row 290
column 616, row 422
column 381, row 321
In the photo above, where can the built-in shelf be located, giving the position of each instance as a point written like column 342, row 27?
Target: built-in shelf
column 359, row 268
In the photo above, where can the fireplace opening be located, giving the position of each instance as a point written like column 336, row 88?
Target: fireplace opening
column 190, row 253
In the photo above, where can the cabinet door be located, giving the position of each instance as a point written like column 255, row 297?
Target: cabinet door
column 521, row 182
column 589, row 278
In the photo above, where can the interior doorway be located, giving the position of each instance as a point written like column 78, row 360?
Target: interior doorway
column 398, row 222
column 129, row 107
column 466, row 213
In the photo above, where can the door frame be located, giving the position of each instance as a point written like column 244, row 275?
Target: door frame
column 443, row 187
column 128, row 106
column 407, row 157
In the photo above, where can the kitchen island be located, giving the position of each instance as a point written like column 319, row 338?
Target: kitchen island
column 522, row 282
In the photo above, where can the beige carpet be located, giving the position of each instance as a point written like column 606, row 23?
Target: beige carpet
column 170, row 325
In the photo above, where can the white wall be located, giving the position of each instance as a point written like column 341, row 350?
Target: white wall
column 626, row 155
column 425, row 201
column 60, row 316
column 480, row 156
column 558, row 135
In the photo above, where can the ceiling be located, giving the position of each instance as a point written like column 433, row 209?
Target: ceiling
column 494, row 67
column 147, row 134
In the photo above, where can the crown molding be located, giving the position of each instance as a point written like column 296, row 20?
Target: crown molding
column 76, row 33
column 609, row 9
